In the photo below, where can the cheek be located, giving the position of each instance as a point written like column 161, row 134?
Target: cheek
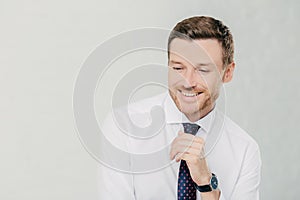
column 212, row 82
column 174, row 78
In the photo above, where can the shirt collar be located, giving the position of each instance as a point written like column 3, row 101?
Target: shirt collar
column 174, row 116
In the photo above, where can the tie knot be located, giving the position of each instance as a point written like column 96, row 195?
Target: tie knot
column 190, row 128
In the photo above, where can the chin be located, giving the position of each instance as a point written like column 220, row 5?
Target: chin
column 189, row 109
column 190, row 112
column 199, row 109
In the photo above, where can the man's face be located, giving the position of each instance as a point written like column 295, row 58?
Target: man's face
column 195, row 75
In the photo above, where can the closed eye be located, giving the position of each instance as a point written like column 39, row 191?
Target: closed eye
column 177, row 68
column 203, row 70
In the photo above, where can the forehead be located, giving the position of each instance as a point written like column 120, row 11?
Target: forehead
column 197, row 51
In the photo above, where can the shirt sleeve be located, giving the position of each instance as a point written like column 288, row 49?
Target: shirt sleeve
column 114, row 185
column 247, row 186
column 113, row 178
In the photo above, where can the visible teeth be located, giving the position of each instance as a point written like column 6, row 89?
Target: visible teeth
column 189, row 95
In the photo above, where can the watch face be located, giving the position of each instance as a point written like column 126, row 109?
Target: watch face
column 214, row 182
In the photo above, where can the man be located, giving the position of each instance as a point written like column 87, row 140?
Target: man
column 200, row 59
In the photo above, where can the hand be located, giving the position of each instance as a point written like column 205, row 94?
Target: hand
column 191, row 149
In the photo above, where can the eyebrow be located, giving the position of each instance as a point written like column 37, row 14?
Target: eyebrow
column 204, row 64
column 175, row 62
column 196, row 65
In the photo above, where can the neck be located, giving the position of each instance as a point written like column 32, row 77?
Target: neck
column 193, row 117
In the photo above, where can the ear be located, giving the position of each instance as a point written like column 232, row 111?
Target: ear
column 228, row 72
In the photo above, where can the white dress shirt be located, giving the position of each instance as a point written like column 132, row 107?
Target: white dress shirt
column 231, row 154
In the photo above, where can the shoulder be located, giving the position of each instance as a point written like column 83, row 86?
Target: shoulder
column 145, row 105
column 237, row 136
column 140, row 112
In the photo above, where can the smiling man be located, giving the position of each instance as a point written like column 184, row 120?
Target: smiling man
column 196, row 74
column 200, row 60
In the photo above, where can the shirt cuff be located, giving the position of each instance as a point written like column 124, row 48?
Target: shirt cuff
column 221, row 195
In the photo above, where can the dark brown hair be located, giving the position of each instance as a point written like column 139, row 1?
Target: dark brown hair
column 203, row 27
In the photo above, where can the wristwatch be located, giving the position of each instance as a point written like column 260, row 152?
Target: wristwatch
column 213, row 185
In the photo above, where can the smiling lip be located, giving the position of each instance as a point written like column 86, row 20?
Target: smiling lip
column 190, row 94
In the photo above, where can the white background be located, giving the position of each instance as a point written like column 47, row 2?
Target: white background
column 44, row 43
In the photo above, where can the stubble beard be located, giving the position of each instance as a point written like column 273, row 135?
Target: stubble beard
column 198, row 109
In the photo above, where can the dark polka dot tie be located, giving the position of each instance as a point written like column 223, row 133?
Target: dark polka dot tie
column 186, row 189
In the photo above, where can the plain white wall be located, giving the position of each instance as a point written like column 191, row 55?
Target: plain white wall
column 44, row 43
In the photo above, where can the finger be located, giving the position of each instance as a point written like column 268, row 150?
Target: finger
column 174, row 148
column 179, row 156
column 191, row 152
column 177, row 147
column 190, row 144
column 180, row 146
column 184, row 151
column 180, row 133
column 176, row 144
column 199, row 140
column 185, row 142
column 191, row 138
column 173, row 152
column 189, row 158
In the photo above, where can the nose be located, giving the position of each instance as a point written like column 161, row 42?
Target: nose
column 190, row 77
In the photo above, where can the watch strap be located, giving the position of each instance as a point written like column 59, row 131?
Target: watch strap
column 206, row 188
column 203, row 188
